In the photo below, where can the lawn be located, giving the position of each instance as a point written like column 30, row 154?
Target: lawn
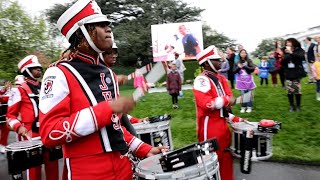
column 297, row 141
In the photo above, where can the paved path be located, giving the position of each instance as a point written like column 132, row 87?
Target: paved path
column 163, row 89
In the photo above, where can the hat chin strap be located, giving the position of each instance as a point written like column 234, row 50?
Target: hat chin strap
column 30, row 74
column 212, row 67
column 88, row 38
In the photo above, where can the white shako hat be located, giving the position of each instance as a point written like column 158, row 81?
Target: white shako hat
column 80, row 13
column 210, row 52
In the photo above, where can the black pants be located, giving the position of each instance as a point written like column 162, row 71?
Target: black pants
column 175, row 98
column 282, row 77
column 261, row 81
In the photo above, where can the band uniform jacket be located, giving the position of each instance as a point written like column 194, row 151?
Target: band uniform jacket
column 74, row 110
column 210, row 101
column 23, row 106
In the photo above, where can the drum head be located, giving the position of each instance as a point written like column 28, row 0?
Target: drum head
column 150, row 168
column 242, row 126
column 143, row 128
column 20, row 145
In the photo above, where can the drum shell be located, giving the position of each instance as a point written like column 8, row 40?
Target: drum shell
column 3, row 111
column 19, row 161
column 262, row 142
column 55, row 153
column 155, row 133
column 150, row 168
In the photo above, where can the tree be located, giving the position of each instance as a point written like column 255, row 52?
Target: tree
column 265, row 46
column 133, row 20
column 212, row 37
column 19, row 36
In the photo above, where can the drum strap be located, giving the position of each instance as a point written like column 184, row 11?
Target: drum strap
column 34, row 98
column 220, row 91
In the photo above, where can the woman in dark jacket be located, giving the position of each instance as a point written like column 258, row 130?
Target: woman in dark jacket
column 294, row 71
column 278, row 55
column 230, row 58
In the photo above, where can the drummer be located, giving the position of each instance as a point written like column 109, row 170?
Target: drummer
column 4, row 130
column 23, row 102
column 80, row 105
column 213, row 97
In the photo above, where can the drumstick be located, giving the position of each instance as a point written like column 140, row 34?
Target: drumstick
column 156, row 73
column 248, row 122
column 28, row 137
column 142, row 70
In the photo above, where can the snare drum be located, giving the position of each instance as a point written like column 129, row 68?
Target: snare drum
column 155, row 133
column 262, row 141
column 24, row 154
column 150, row 168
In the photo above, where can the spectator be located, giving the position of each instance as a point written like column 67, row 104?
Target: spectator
column 174, row 85
column 180, row 69
column 245, row 82
column 310, row 54
column 264, row 70
column 316, row 75
column 293, row 57
column 225, row 67
column 230, row 58
column 140, row 81
column 272, row 69
column 278, row 55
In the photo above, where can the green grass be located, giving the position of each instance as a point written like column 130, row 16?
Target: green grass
column 297, row 141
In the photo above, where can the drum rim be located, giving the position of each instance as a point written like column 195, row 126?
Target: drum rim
column 212, row 163
column 33, row 146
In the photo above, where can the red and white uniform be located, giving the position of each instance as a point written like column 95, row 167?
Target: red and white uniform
column 133, row 120
column 74, row 112
column 22, row 111
column 211, row 123
column 4, row 129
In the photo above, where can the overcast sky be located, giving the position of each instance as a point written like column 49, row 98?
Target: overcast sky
column 247, row 21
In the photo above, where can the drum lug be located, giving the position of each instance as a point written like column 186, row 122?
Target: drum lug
column 28, row 154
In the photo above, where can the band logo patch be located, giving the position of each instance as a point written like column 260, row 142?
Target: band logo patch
column 48, row 86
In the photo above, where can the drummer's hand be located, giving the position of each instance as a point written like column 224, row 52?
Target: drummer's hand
column 122, row 105
column 232, row 101
column 122, row 79
column 144, row 119
column 157, row 150
column 23, row 131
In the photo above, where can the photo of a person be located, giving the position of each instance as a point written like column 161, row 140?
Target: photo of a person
column 184, row 38
column 190, row 43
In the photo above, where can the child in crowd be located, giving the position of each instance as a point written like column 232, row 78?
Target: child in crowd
column 273, row 69
column 264, row 70
column 140, row 81
column 316, row 74
column 245, row 82
column 174, row 85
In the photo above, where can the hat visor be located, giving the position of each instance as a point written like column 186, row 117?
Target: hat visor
column 99, row 18
column 220, row 59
